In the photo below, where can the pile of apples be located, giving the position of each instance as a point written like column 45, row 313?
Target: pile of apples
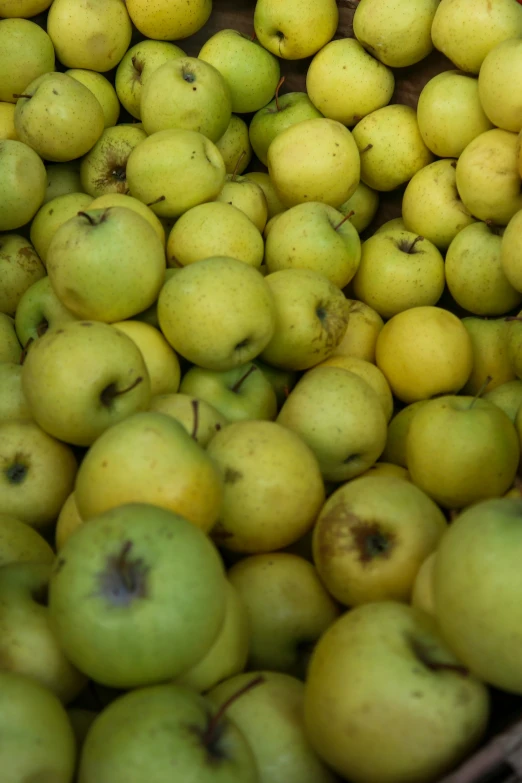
column 260, row 514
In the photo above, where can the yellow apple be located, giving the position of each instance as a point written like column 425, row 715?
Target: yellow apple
column 234, row 146
column 398, row 428
column 360, row 337
column 51, row 216
column 68, row 521
column 7, row 126
column 160, row 360
column 123, row 200
column 26, row 52
column 274, row 203
column 104, row 169
column 247, row 196
column 369, row 373
column 20, row 543
column 387, row 469
column 510, row 251
column 297, row 29
column 169, row 20
column 491, row 360
column 422, row 595
column 20, row 268
column 10, row 348
column 361, row 206
column 101, row 87
column 23, row 8
column 13, row 404
column 508, row 397
column 62, row 178
column 200, row 419
column 22, row 186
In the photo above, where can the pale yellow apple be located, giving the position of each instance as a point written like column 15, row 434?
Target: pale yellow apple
column 422, row 596
column 296, row 29
column 68, row 521
column 20, row 543
column 23, row 8
column 274, row 203
column 450, row 114
column 22, row 185
column 363, row 203
column 390, row 146
column 507, row 396
column 314, row 160
column 360, row 337
column 424, row 351
column 234, row 146
column 398, row 428
column 104, row 169
column 200, row 419
column 247, row 196
column 169, row 20
column 20, row 267
column 7, row 126
column 123, row 200
column 264, row 465
column 13, row 404
column 395, row 224
column 92, row 34
column 369, row 373
column 160, row 360
column 510, row 254
column 26, row 52
column 101, row 87
column 10, row 348
column 387, row 469
column 51, row 216
column 492, row 366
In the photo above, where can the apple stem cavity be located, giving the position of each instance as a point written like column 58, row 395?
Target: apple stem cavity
column 481, row 391
column 236, row 387
column 422, row 652
column 124, row 579
column 345, row 218
column 25, row 350
column 110, row 392
column 156, row 201
column 195, row 408
column 279, row 85
column 42, row 327
column 236, row 167
column 93, row 220
column 410, row 247
column 211, row 733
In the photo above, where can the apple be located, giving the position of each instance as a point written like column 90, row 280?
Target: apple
column 228, row 323
column 390, row 146
column 38, row 473
column 13, row 404
column 450, row 114
column 345, row 83
column 262, row 178
column 106, row 264
column 399, row 270
column 237, row 394
column 135, row 67
column 360, row 336
column 104, row 169
column 507, row 396
column 23, row 8
column 384, row 672
column 22, row 185
column 422, row 594
column 200, row 419
column 20, row 268
column 62, row 178
column 398, row 429
column 162, row 723
column 461, row 450
column 514, row 344
column 68, row 521
column 122, row 200
column 58, row 117
column 297, row 30
column 250, row 71
column 398, row 33
column 7, row 126
column 314, row 236
column 149, row 458
column 282, row 381
column 160, row 360
column 174, row 170
column 370, row 539
column 288, row 609
column 392, row 225
column 466, row 30
column 53, row 214
column 424, row 351
column 169, row 20
column 386, row 469
column 340, row 417
column 20, row 543
column 228, row 655
column 38, row 740
column 510, row 251
column 311, row 317
column 369, row 373
column 10, row 348
column 104, row 91
column 270, row 716
column 92, row 34
column 38, row 310
column 247, row 196
column 488, row 181
column 83, row 377
column 492, row 365
column 136, row 565
column 331, row 175
column 361, row 207
column 26, row 52
column 474, row 273
column 234, row 146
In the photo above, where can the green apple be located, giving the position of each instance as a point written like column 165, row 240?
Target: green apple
column 450, row 114
column 122, row 200
column 278, row 115
column 161, row 723
column 174, row 170
column 510, row 251
column 345, row 83
column 361, row 207
column 399, row 270
column 370, row 540
column 200, row 419
column 288, row 609
column 51, row 215
column 250, row 71
column 39, row 309
column 424, row 351
column 311, row 318
column 283, row 381
column 492, row 362
column 390, row 146
column 398, row 33
column 10, row 348
column 62, row 178
column 26, row 52
column 317, row 237
column 93, row 35
column 431, row 205
column 160, row 360
column 126, row 579
column 360, row 336
column 68, row 521
column 385, row 670
column 296, row 30
column 38, row 740
column 104, row 91
column 461, row 450
column 246, row 195
column 169, row 20
column 152, row 459
column 501, row 68
column 136, row 66
column 330, row 175
column 211, row 229
column 58, row 117
column 243, row 392
column 270, row 716
column 488, row 181
column 340, row 417
column 368, row 372
column 474, row 273
column 38, row 473
column 507, row 396
column 81, row 378
column 230, row 320
column 398, row 429
column 13, row 404
column 25, row 629
column 422, row 593
column 189, row 94
column 106, row 264
column 22, row 185
column 104, row 168
column 234, row 146
column 466, row 30
column 20, row 267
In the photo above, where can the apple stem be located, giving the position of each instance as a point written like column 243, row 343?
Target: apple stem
column 345, row 218
column 21, row 95
column 109, row 393
column 410, row 248
column 253, row 36
column 450, row 667
column 237, row 385
column 481, row 391
column 156, row 201
column 493, row 227
column 123, row 567
column 279, row 85
column 236, row 167
column 195, row 408
column 366, row 149
column 88, row 217
column 513, row 318
column 209, row 735
column 25, row 350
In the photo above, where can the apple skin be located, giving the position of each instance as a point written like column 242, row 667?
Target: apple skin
column 20, row 267
column 201, row 419
column 133, row 564
column 422, row 594
column 296, row 30
column 234, row 146
column 248, row 197
column 68, row 521
column 160, row 360
column 20, row 543
column 491, row 355
column 363, row 203
column 398, row 428
column 368, row 372
column 23, row 184
column 169, row 20
column 52, row 215
column 360, row 337
column 123, row 200
column 62, row 178
column 277, row 116
column 7, row 126
column 13, row 404
column 39, row 309
column 383, row 676
column 507, row 396
column 510, row 251
column 102, row 89
column 27, row 52
column 103, row 169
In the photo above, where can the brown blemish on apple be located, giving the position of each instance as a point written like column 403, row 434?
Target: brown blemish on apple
column 341, row 530
column 232, row 476
column 16, row 468
column 124, row 579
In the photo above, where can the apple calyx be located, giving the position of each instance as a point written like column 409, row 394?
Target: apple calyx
column 410, row 247
column 426, row 655
column 345, row 218
column 233, row 178
column 17, row 470
column 156, row 201
column 188, row 76
column 370, row 541
column 215, row 725
column 236, row 387
column 108, row 394
column 124, row 579
column 480, row 391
